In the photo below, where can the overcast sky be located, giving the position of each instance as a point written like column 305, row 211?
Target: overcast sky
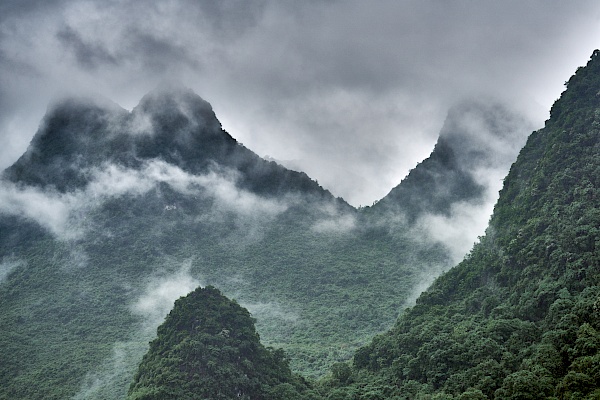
column 353, row 92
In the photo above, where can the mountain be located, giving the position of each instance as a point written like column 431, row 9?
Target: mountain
column 208, row 348
column 171, row 124
column 448, row 197
column 519, row 317
column 110, row 216
column 478, row 142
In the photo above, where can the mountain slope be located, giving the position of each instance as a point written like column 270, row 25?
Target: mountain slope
column 172, row 124
column 519, row 317
column 110, row 216
column 477, row 144
column 208, row 347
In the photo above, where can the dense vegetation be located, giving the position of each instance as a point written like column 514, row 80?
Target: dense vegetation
column 519, row 318
column 140, row 203
column 208, row 348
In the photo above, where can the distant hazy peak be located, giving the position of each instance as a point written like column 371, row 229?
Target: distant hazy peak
column 171, row 100
column 480, row 126
column 479, row 140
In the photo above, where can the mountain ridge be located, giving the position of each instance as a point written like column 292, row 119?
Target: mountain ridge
column 476, row 138
column 121, row 210
column 170, row 123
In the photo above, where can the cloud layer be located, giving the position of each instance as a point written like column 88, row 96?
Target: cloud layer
column 353, row 92
column 157, row 300
column 64, row 214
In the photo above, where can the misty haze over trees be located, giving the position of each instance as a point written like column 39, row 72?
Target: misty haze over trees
column 110, row 216
column 139, row 208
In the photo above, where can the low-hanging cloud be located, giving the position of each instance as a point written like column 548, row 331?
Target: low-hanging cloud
column 458, row 231
column 333, row 220
column 111, row 379
column 49, row 208
column 220, row 183
column 9, row 264
column 340, row 224
column 65, row 214
column 160, row 294
column 354, row 92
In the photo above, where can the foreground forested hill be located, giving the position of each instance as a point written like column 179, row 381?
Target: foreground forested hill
column 208, row 348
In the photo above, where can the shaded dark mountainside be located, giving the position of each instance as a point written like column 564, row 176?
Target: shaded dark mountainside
column 477, row 137
column 171, row 124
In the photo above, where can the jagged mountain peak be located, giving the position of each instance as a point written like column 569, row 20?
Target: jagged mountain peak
column 481, row 132
column 479, row 140
column 175, row 103
column 171, row 123
column 80, row 132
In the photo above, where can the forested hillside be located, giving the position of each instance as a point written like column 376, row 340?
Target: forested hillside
column 208, row 348
column 519, row 318
column 112, row 215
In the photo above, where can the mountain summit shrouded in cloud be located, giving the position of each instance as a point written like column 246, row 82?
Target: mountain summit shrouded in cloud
column 355, row 92
column 477, row 143
column 449, row 196
column 171, row 124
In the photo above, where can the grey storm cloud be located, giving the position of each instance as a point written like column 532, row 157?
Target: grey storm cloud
column 88, row 55
column 354, row 93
